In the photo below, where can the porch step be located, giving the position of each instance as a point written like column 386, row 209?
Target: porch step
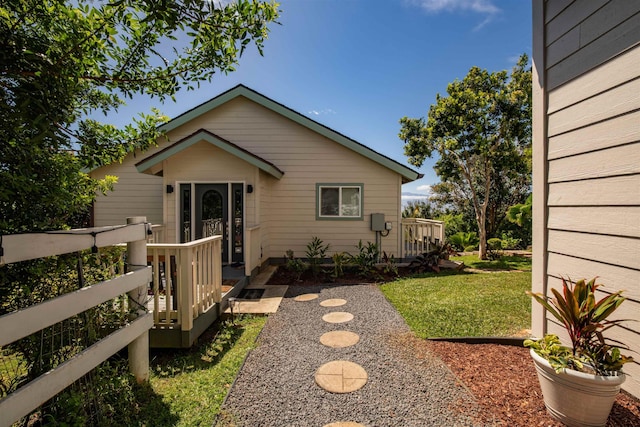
column 268, row 303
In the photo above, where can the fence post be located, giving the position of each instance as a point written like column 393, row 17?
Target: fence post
column 138, row 348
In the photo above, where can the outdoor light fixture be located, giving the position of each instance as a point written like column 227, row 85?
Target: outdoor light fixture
column 249, row 189
column 169, row 188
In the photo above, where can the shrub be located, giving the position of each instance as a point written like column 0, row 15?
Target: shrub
column 389, row 263
column 294, row 264
column 316, row 252
column 453, row 224
column 494, row 249
column 366, row 258
column 585, row 319
column 462, row 240
column 494, row 243
column 510, row 242
column 428, row 261
column 470, row 248
column 339, row 260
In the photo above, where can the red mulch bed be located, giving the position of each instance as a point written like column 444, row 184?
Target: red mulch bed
column 504, row 382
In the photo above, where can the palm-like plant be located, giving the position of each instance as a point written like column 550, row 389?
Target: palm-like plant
column 585, row 320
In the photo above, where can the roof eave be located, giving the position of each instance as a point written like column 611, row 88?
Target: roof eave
column 148, row 165
column 408, row 174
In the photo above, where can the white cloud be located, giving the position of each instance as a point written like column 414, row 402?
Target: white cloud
column 487, row 8
column 321, row 112
column 411, row 197
column 424, row 188
column 478, row 6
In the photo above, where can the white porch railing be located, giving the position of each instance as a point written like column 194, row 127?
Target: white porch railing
column 187, row 281
column 253, row 249
column 419, row 235
column 157, row 234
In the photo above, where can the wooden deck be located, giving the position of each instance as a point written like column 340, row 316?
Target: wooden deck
column 185, row 295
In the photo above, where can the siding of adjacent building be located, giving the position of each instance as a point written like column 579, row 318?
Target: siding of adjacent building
column 587, row 155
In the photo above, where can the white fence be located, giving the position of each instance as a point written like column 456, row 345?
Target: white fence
column 22, row 323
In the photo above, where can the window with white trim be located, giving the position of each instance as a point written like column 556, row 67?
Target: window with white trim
column 339, row 201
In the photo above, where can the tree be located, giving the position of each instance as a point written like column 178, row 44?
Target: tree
column 63, row 64
column 521, row 213
column 418, row 209
column 482, row 133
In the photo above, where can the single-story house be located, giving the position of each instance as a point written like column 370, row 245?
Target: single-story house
column 586, row 158
column 265, row 177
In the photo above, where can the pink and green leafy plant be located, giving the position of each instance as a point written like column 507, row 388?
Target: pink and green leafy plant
column 585, row 319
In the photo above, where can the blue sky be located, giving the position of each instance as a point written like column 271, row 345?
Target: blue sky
column 358, row 66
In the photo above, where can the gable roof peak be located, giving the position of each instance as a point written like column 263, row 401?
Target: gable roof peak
column 407, row 173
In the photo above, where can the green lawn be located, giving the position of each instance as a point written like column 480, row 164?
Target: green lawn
column 187, row 387
column 463, row 304
column 516, row 262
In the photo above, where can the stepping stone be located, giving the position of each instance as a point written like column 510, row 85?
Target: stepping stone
column 344, row 424
column 339, row 339
column 334, row 302
column 337, row 317
column 306, row 297
column 341, row 376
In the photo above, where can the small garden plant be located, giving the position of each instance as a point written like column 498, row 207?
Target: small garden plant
column 366, row 258
column 463, row 241
column 295, row 264
column 429, row 261
column 585, row 319
column 390, row 266
column 316, row 253
column 339, row 260
column 367, row 262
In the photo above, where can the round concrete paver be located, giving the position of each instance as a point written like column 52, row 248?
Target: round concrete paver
column 344, row 424
column 306, row 297
column 334, row 302
column 339, row 339
column 337, row 317
column 341, row 376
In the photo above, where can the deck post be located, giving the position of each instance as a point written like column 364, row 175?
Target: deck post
column 185, row 282
column 138, row 348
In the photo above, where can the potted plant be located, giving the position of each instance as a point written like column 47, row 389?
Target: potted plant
column 579, row 383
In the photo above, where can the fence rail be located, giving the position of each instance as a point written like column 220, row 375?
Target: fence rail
column 419, row 235
column 22, row 323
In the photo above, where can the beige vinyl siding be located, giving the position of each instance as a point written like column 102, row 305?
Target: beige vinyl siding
column 135, row 194
column 285, row 208
column 306, row 158
column 591, row 165
column 264, row 201
column 205, row 163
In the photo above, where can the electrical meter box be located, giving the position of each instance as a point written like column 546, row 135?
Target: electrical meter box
column 377, row 222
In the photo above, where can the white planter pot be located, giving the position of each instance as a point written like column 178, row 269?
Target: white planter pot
column 575, row 398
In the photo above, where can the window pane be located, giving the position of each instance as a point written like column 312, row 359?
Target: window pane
column 350, row 201
column 329, row 201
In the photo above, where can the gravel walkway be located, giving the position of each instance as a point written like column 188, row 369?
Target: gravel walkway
column 276, row 385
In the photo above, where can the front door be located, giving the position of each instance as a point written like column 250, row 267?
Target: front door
column 217, row 212
column 212, row 214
